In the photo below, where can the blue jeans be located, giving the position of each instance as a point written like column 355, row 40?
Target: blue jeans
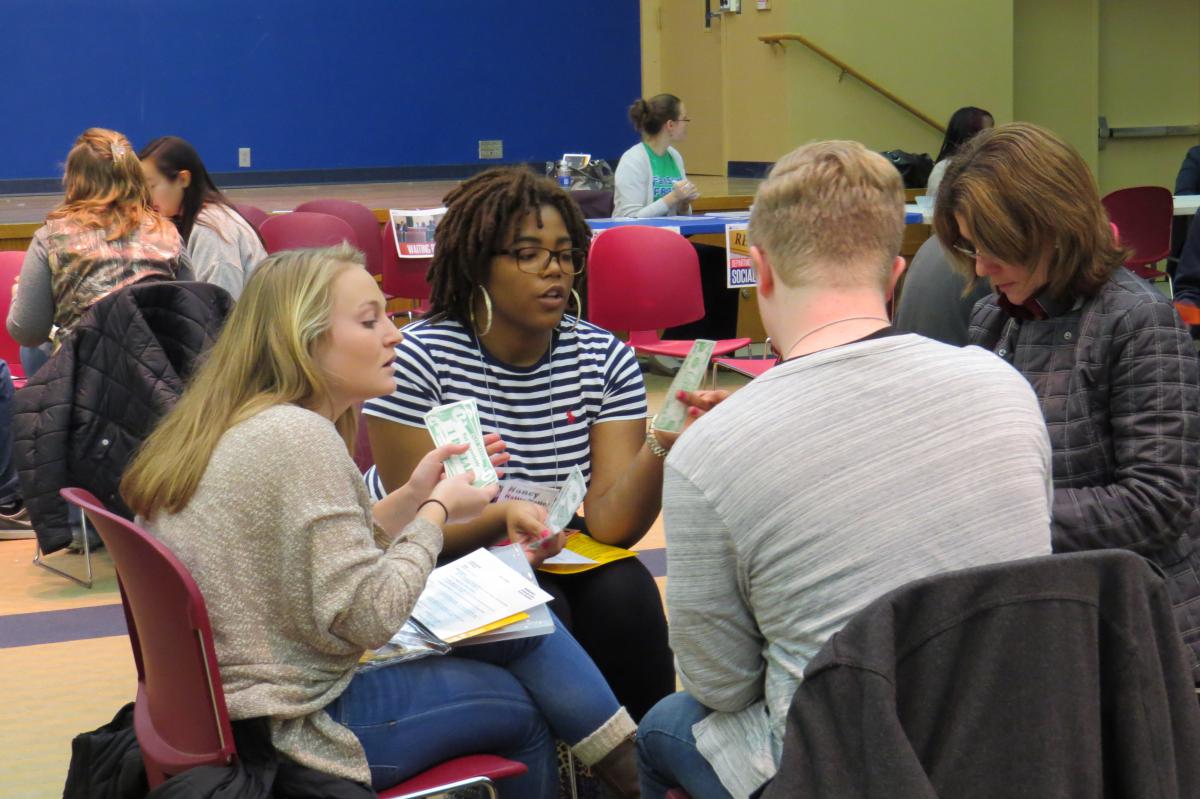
column 667, row 753
column 511, row 698
column 10, row 489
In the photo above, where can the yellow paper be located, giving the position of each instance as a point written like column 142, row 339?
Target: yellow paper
column 487, row 628
column 586, row 547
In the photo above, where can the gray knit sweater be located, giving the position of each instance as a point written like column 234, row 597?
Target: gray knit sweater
column 279, row 538
column 821, row 485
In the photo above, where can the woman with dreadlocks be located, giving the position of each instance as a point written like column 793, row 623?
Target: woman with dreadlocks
column 561, row 393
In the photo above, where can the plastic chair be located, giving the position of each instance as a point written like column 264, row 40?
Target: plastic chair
column 303, row 229
column 252, row 214
column 361, row 219
column 179, row 716
column 10, row 350
column 403, row 277
column 643, row 278
column 1144, row 215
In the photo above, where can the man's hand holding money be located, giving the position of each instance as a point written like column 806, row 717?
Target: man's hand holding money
column 698, row 403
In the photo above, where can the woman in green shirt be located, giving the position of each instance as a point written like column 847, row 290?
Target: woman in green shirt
column 650, row 179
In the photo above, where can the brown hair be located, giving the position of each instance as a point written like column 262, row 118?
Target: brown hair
column 104, row 186
column 830, row 214
column 1025, row 193
column 482, row 214
column 649, row 116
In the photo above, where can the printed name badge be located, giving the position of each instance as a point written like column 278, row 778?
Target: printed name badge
column 739, row 272
column 525, row 491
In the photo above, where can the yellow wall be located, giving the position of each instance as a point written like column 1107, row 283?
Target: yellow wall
column 1149, row 75
column 1061, row 64
column 1058, row 39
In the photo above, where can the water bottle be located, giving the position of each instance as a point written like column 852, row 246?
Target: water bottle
column 564, row 175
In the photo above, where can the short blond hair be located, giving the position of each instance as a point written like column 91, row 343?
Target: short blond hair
column 830, row 215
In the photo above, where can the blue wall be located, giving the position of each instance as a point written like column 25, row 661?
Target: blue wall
column 320, row 85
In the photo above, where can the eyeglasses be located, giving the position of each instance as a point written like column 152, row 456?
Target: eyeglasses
column 684, row 119
column 535, row 260
column 966, row 248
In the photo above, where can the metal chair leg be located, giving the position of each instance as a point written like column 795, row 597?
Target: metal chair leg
column 39, row 559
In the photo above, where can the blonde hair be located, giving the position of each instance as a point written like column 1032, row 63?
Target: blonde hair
column 1024, row 192
column 104, row 187
column 263, row 357
column 830, row 215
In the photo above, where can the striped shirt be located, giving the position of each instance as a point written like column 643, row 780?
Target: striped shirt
column 544, row 412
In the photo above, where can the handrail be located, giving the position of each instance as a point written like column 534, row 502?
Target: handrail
column 780, row 38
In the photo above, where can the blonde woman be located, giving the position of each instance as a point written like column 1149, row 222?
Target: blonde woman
column 250, row 481
column 105, row 235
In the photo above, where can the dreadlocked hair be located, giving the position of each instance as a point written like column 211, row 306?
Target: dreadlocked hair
column 482, row 215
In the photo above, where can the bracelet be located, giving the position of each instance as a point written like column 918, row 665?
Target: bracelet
column 437, row 502
column 656, row 449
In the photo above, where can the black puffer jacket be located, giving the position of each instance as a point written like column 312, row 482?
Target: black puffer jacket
column 1119, row 386
column 80, row 419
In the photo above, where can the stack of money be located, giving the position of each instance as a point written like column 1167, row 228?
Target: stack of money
column 458, row 423
column 689, row 378
column 569, row 498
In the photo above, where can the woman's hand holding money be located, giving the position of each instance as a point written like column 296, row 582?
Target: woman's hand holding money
column 400, row 506
column 699, row 403
column 461, row 500
column 527, row 527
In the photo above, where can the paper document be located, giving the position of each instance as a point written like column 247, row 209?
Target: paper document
column 689, row 378
column 581, row 553
column 537, row 621
column 413, row 230
column 473, row 592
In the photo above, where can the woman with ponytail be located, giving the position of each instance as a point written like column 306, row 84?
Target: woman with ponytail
column 104, row 236
column 650, row 179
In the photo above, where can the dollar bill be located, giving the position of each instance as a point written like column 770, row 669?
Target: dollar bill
column 569, row 498
column 689, row 378
column 458, row 423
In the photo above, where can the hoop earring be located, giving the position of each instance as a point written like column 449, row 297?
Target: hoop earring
column 578, row 310
column 487, row 304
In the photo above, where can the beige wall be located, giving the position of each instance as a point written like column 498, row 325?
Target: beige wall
column 1058, row 39
column 1061, row 64
column 1149, row 75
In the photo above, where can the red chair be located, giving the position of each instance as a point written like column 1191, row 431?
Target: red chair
column 403, row 277
column 179, row 715
column 361, row 219
column 10, row 350
column 252, row 214
column 303, row 229
column 641, row 279
column 750, row 367
column 1143, row 215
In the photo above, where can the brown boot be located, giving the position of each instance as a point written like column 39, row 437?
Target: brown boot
column 618, row 769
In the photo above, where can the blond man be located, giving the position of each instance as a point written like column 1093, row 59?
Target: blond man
column 866, row 459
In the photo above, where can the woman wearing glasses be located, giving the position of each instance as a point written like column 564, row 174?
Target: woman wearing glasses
column 650, row 179
column 1112, row 364
column 561, row 393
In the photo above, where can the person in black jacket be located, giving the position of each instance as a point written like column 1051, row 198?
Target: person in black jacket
column 1110, row 360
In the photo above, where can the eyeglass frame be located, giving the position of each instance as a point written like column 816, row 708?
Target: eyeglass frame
column 972, row 252
column 551, row 255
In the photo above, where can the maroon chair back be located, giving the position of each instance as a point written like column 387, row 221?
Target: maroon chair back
column 1143, row 215
column 402, row 277
column 252, row 214
column 10, row 350
column 179, row 716
column 643, row 278
column 303, row 229
column 361, row 219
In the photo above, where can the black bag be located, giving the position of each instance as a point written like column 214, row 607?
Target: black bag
column 597, row 175
column 914, row 168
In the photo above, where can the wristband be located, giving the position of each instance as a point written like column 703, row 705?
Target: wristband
column 656, row 449
column 437, row 502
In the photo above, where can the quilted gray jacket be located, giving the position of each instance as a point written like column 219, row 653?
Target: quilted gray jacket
column 1119, row 385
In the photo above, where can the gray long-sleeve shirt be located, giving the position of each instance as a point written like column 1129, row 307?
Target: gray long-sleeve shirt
column 823, row 484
